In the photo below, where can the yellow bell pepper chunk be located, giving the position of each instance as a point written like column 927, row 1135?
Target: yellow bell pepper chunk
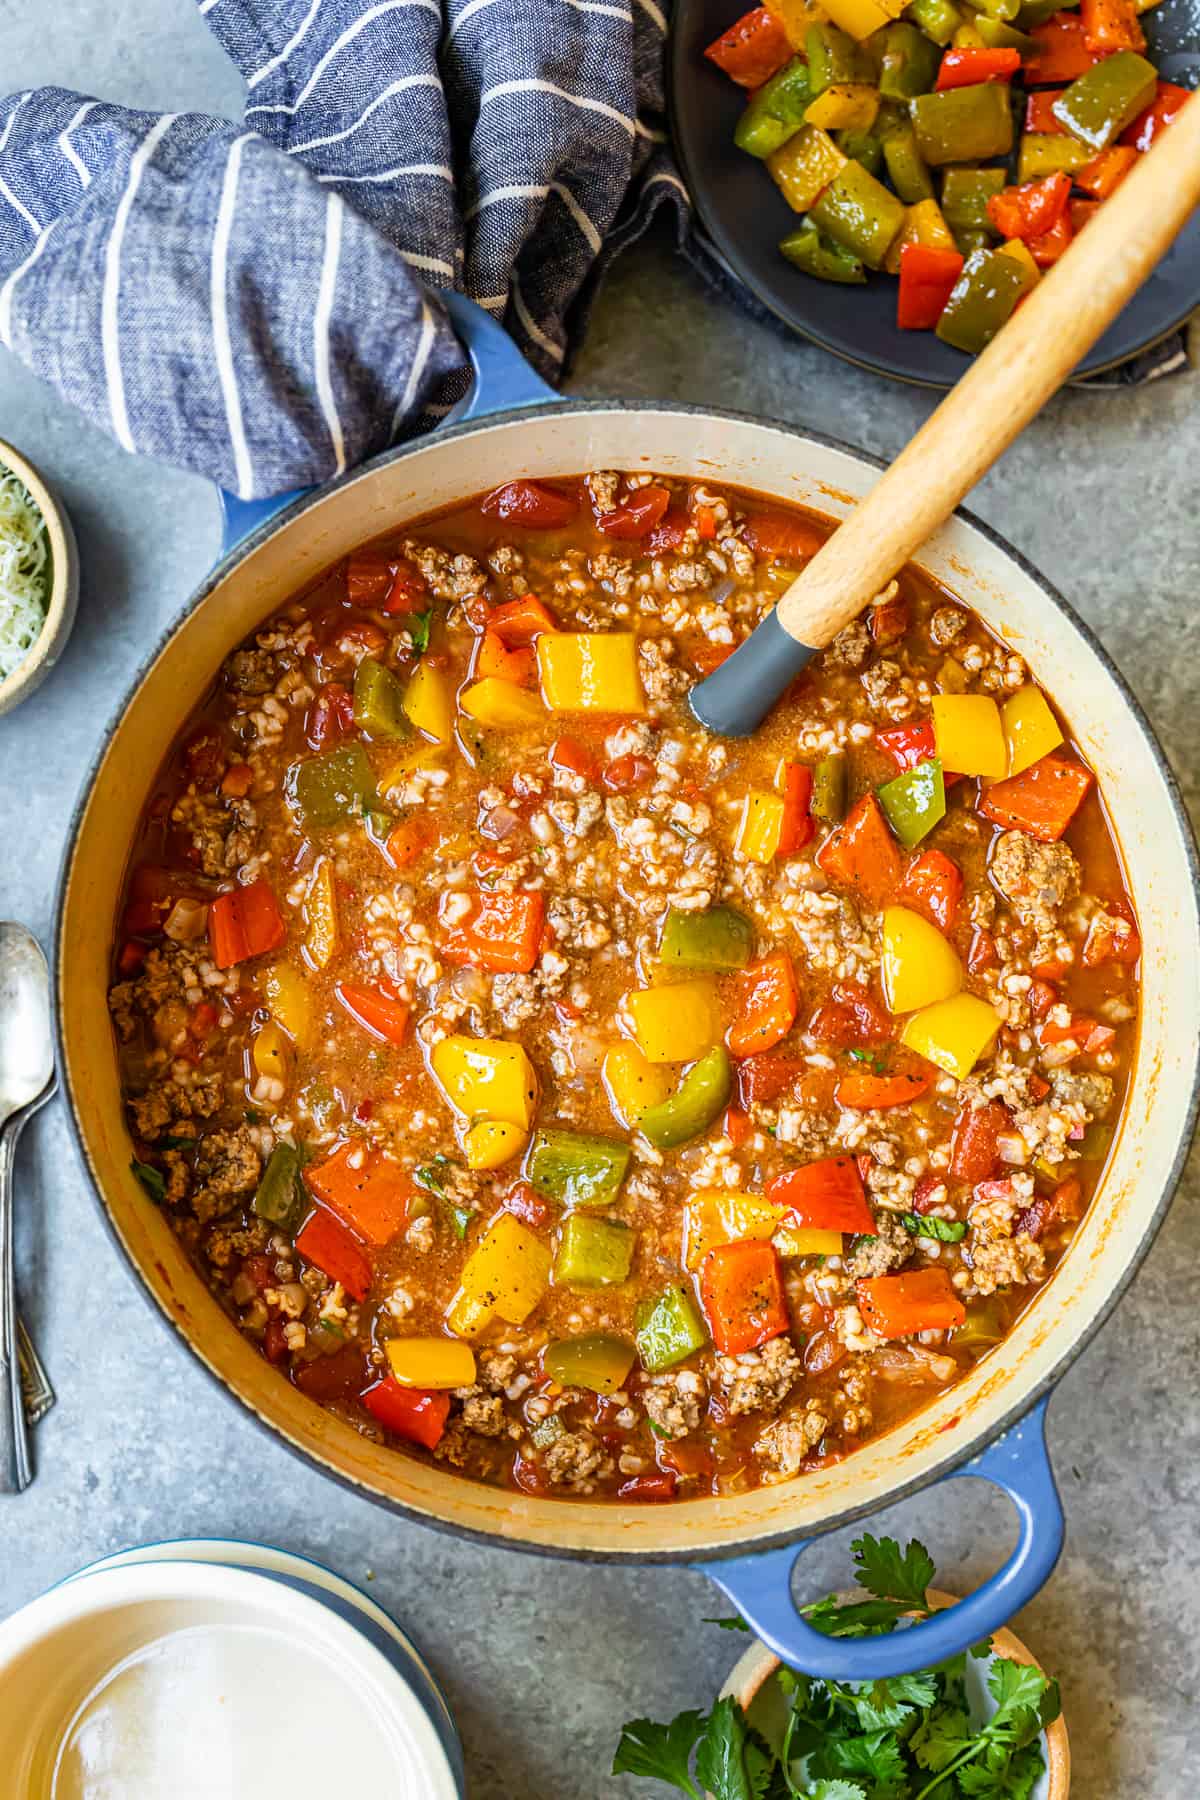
column 499, row 703
column 967, row 37
column 760, row 826
column 923, row 224
column 859, row 17
column 954, row 1033
column 633, row 1083
column 919, row 966
column 1030, row 728
column 676, row 1023
column 429, row 703
column 796, row 16
column 807, row 1240
column 804, row 166
column 969, row 734
column 844, row 106
column 486, row 1078
column 590, row 671
column 321, row 916
column 466, row 1317
column 397, row 772
column 508, row 1270
column 717, row 1217
column 1021, row 253
column 269, row 1052
column 493, row 1142
column 431, row 1362
column 289, row 999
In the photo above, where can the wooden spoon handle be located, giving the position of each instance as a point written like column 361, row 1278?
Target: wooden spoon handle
column 1002, row 390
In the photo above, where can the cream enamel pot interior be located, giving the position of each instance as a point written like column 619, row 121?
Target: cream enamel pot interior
column 525, row 436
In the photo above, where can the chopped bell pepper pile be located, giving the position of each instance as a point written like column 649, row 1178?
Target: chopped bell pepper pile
column 849, row 96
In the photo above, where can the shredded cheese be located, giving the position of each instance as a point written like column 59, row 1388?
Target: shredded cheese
column 24, row 573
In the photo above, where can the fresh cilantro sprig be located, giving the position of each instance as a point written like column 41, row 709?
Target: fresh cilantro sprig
column 908, row 1738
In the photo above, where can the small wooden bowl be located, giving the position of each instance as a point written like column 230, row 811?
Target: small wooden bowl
column 750, row 1673
column 63, row 598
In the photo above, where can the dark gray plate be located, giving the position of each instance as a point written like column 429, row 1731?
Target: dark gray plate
column 745, row 215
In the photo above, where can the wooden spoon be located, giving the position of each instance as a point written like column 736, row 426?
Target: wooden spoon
column 999, row 393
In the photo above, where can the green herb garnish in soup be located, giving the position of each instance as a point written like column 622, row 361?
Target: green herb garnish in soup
column 555, row 1090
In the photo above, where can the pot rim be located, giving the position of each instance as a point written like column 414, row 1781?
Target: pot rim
column 959, row 1451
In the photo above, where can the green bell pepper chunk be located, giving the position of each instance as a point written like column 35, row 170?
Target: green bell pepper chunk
column 776, row 111
column 576, row 1169
column 998, row 35
column 333, row 786
column 982, row 300
column 833, row 56
column 860, row 214
column 597, row 1362
column 908, row 61
column 812, row 253
column 938, row 19
column 828, row 801
column 964, row 124
column 1093, row 1145
column 669, row 1330
column 379, row 701
column 1037, row 12
column 281, row 1198
column 967, row 243
column 914, row 801
column 1045, row 153
column 906, row 167
column 701, row 1095
column 1102, row 102
column 998, row 9
column 718, row 939
column 965, row 196
column 865, row 147
column 983, row 1326
column 593, row 1253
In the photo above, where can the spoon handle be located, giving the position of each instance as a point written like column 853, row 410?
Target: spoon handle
column 16, row 1465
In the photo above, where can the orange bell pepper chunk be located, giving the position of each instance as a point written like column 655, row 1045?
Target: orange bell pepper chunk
column 1168, row 101
column 933, row 885
column 1040, row 117
column 797, row 826
column 1031, row 210
column 1105, row 173
column 1042, row 800
column 380, row 1013
column 975, row 1140
column 370, row 1199
column 896, row 1306
column 418, row 1414
column 827, row 1195
column 245, row 923
column 1047, row 249
column 407, row 840
column 518, row 622
column 1110, row 25
column 324, row 1241
column 503, row 932
column 495, row 658
column 1062, row 52
column 862, row 854
column 767, row 1003
column 870, row 1093
column 741, row 1291
column 753, row 48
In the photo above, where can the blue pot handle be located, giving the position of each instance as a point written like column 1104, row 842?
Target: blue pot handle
column 1018, row 1462
column 503, row 381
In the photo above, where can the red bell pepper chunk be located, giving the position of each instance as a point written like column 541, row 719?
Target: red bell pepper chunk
column 798, row 826
column 850, row 1019
column 662, row 1486
column 1062, row 52
column 1105, row 173
column 418, row 1414
column 408, row 840
column 783, row 535
column 1042, row 800
column 752, row 49
column 324, row 1241
column 767, row 999
column 1080, row 1029
column 1112, row 937
column 862, row 854
column 1167, row 102
column 871, row 1093
column 245, row 923
column 827, row 1195
column 1110, row 25
column 408, row 592
column 933, row 885
column 569, row 754
column 380, row 1013
column 736, row 1126
column 896, row 1306
column 1040, row 116
column 927, row 276
column 370, row 1197
column 741, row 1291
column 205, row 756
column 762, row 1078
column 518, row 622
column 974, row 1143
column 1031, row 210
column 964, row 68
column 1080, row 212
column 1047, row 249
column 495, row 658
column 908, row 745
column 637, row 515
column 530, row 504
column 503, row 932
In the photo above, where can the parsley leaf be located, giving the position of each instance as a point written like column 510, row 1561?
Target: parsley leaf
column 418, row 630
column 944, row 1231
column 891, row 1573
column 940, row 1737
column 429, row 1176
column 177, row 1143
column 876, row 1755
column 661, row 1752
column 876, row 1064
column 1017, row 1688
column 151, row 1179
column 857, row 1618
column 836, row 1790
column 721, row 1759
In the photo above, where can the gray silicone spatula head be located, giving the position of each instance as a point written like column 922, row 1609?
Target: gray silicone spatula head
column 735, row 699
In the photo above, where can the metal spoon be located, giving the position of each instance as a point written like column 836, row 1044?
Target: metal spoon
column 27, row 1080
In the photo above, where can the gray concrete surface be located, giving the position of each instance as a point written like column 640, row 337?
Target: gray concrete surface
column 543, row 1660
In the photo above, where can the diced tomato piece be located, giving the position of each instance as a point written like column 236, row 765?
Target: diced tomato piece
column 380, row 1013
column 851, row 1019
column 530, row 504
column 643, row 1488
column 205, row 756
column 569, row 754
column 1047, row 249
column 1079, row 1029
column 526, row 1204
column 153, row 891
column 1039, row 112
column 362, row 635
column 982, row 953
column 686, row 1458
column 131, row 959
column 494, row 658
column 861, row 854
column 369, row 576
column 330, row 717
column 923, row 1193
column 1067, row 1199
column 409, row 839
column 736, row 1126
column 237, row 781
column 888, row 619
column 973, row 1146
column 798, row 827
column 338, row 1378
column 784, row 537
column 1062, row 52
column 1042, row 800
column 418, row 1414
column 870, row 1093
column 520, row 621
column 741, row 1290
column 763, row 1078
column 895, row 1306
column 202, row 1021
column 706, row 522
column 753, row 48
column 1167, row 102
column 275, row 1345
column 1111, row 25
column 625, row 774
column 1042, row 996
column 966, row 68
column 245, row 923
column 408, row 592
column 670, row 531
column 503, row 932
column 1112, row 936
column 1105, row 173
column 707, row 657
column 767, row 999
column 637, row 515
column 933, row 885
column 323, row 1240
column 827, row 1195
column 1031, row 210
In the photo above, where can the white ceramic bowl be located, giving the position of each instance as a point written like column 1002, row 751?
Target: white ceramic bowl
column 63, row 599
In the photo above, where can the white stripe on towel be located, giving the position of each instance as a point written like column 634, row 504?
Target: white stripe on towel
column 420, row 358
column 68, row 149
column 393, row 88
column 347, row 37
column 296, row 38
column 532, row 327
column 321, row 318
column 438, row 169
column 109, row 322
column 222, row 346
column 531, row 85
column 10, row 286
